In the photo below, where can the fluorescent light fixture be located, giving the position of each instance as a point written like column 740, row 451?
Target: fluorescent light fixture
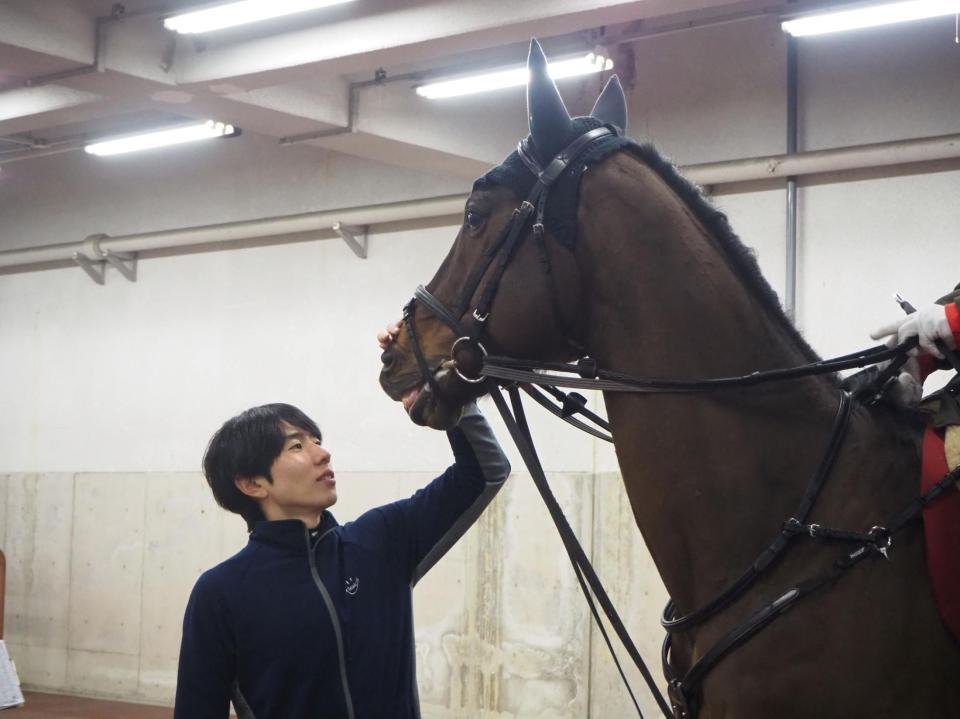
column 514, row 77
column 161, row 138
column 871, row 16
column 240, row 13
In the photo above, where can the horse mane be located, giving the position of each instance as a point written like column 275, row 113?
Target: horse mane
column 742, row 258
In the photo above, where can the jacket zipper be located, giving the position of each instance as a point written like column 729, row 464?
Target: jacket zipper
column 333, row 618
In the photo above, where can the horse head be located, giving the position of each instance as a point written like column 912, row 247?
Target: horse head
column 507, row 284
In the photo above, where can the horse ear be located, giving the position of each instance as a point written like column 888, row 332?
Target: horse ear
column 550, row 124
column 611, row 106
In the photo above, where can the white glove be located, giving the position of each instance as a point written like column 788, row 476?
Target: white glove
column 929, row 324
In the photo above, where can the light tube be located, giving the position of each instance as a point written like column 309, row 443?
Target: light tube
column 512, row 78
column 872, row 16
column 161, row 138
column 240, row 13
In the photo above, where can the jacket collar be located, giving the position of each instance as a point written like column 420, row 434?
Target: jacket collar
column 289, row 533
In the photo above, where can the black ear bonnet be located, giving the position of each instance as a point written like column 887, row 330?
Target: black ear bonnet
column 561, row 210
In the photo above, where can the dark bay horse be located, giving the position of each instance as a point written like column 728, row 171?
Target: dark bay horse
column 648, row 279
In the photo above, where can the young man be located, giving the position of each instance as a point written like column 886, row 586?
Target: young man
column 313, row 618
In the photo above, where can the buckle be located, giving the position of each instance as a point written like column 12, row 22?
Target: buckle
column 588, row 368
column 572, row 403
column 792, row 526
column 882, row 540
column 678, row 700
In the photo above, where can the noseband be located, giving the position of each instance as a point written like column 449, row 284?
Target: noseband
column 469, row 339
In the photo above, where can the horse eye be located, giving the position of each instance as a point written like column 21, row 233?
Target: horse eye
column 474, row 220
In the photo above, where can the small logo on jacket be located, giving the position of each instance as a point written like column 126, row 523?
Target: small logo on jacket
column 352, row 585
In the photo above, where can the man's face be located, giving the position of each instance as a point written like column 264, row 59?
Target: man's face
column 303, row 480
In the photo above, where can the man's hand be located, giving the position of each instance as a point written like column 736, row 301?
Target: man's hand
column 388, row 336
column 928, row 324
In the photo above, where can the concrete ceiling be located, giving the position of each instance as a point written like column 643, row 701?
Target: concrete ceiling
column 304, row 79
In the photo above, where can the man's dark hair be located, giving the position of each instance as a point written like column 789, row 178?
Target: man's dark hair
column 245, row 446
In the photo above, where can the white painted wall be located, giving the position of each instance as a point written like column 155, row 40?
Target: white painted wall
column 110, row 393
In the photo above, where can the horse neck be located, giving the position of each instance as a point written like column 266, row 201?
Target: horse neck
column 709, row 476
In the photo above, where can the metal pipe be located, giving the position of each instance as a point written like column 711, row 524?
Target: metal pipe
column 52, row 149
column 790, row 290
column 781, row 166
column 859, row 157
column 96, row 247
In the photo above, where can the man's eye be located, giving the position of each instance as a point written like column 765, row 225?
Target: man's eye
column 296, row 445
column 474, row 220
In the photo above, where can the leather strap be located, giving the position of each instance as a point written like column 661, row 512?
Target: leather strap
column 584, row 570
column 673, row 623
column 688, row 687
column 516, row 370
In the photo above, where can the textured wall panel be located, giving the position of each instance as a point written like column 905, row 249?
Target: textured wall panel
column 40, row 667
column 544, row 619
column 233, row 533
column 107, row 573
column 182, row 539
column 442, row 617
column 103, row 673
column 631, row 579
column 38, row 546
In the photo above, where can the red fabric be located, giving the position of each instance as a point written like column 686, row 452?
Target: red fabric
column 953, row 317
column 941, row 525
column 927, row 364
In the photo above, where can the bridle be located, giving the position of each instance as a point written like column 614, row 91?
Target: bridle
column 502, row 251
column 534, row 376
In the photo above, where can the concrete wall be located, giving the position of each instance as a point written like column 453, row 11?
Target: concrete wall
column 110, row 393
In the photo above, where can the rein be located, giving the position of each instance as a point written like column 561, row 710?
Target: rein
column 541, row 378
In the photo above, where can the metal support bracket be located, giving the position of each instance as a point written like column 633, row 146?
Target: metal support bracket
column 125, row 264
column 96, row 269
column 349, row 235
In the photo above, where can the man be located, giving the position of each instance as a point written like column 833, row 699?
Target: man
column 940, row 321
column 313, row 618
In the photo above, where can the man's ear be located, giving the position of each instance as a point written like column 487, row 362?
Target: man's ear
column 252, row 486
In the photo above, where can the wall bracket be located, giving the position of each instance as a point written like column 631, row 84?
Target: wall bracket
column 349, row 235
column 124, row 263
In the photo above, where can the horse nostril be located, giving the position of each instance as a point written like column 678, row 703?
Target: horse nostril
column 388, row 358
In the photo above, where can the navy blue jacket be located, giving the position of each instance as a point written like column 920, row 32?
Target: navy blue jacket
column 298, row 627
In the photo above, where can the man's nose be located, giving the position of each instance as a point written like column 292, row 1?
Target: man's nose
column 322, row 455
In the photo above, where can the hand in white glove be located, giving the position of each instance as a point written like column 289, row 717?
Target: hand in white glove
column 929, row 324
